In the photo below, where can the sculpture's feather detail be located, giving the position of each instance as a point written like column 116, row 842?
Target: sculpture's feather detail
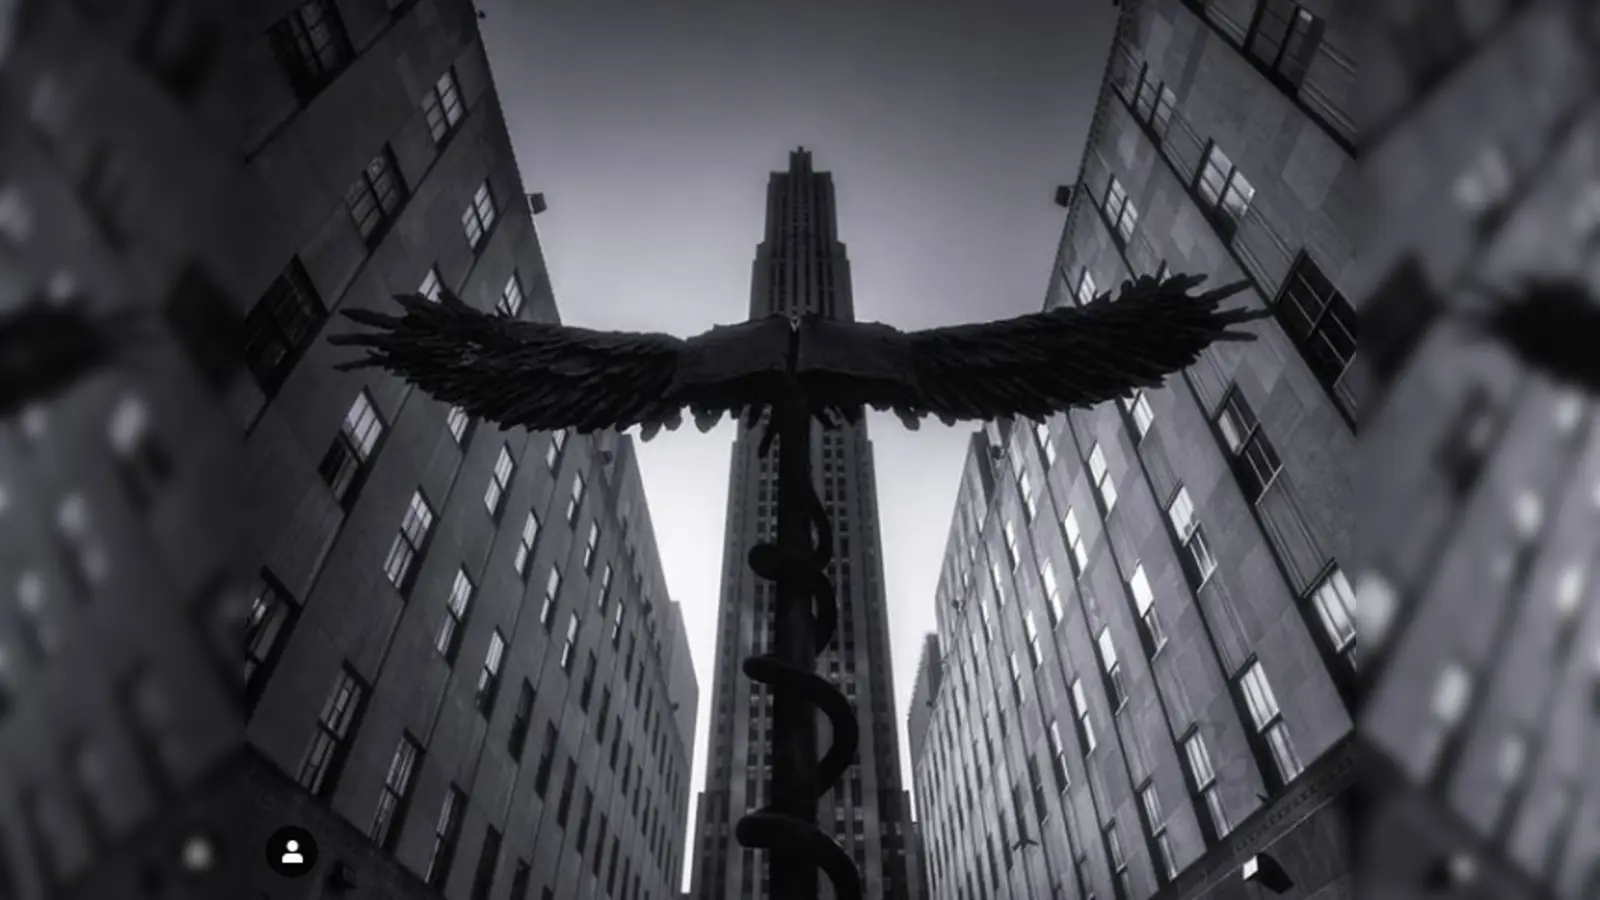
column 546, row 376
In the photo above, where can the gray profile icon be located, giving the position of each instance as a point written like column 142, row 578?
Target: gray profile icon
column 291, row 851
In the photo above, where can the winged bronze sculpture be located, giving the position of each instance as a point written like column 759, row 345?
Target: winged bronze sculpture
column 786, row 373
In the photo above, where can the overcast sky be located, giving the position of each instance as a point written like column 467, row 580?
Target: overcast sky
column 651, row 128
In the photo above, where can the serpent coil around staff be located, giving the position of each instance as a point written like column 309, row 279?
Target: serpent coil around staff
column 768, row 827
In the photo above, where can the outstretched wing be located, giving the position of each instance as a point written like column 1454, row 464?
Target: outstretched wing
column 538, row 375
column 1033, row 365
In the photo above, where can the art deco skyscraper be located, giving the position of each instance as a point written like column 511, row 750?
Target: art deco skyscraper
column 800, row 267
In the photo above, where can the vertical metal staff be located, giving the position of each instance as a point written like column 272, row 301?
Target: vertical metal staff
column 805, row 619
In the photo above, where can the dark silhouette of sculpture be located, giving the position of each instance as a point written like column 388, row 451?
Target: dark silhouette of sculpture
column 46, row 347
column 782, row 374
column 1552, row 326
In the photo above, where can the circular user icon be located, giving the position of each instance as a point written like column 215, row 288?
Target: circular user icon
column 291, row 851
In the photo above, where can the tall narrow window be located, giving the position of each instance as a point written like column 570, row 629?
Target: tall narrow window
column 1203, row 781
column 604, row 597
column 525, row 542
column 343, row 465
column 1321, row 322
column 1058, row 757
column 446, row 834
column 616, row 624
column 400, row 565
column 281, row 325
column 1103, row 483
column 552, row 597
column 1119, row 862
column 1075, row 542
column 1017, row 695
column 432, row 285
column 564, row 805
column 35, row 626
column 489, row 676
column 575, row 501
column 517, row 738
column 583, row 820
column 311, row 46
column 1120, row 212
column 1154, row 102
column 1138, row 408
column 1226, row 192
column 459, row 424
column 375, row 196
column 1032, row 632
column 1112, row 667
column 330, row 744
column 271, row 619
column 590, row 546
column 1086, row 288
column 483, row 878
column 499, row 481
column 442, row 106
column 1335, row 603
column 1156, row 827
column 1198, row 564
column 1286, row 38
column 396, row 794
column 511, row 296
column 520, row 881
column 1052, row 592
column 1268, row 721
column 1255, row 459
column 586, row 692
column 1012, row 557
column 479, row 216
column 1047, row 442
column 547, row 760
column 448, row 640
column 1144, row 602
column 552, row 453
column 1030, row 503
column 569, row 646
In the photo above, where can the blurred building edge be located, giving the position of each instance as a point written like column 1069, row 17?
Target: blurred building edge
column 1147, row 638
column 1479, row 624
column 460, row 663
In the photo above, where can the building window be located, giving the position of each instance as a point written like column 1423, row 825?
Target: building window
column 521, row 720
column 1047, row 442
column 569, row 646
column 442, row 106
column 1154, row 102
column 547, row 760
column 1255, row 459
column 281, row 325
column 1320, row 321
column 1030, row 503
column 1156, row 827
column 1144, row 602
column 489, row 676
column 35, row 627
column 396, row 792
column 1010, row 531
column 446, row 833
column 1137, row 406
column 448, row 640
column 483, row 879
column 1198, row 563
column 616, row 624
column 479, row 216
column 458, row 422
column 311, row 46
column 1119, row 210
column 1286, row 37
column 575, row 501
column 1080, row 707
column 1112, row 667
column 272, row 616
column 1269, row 723
column 375, row 197
column 586, row 693
column 520, row 881
column 564, row 805
column 325, row 756
column 1119, row 862
column 400, row 565
column 142, row 463
column 1085, row 287
column 1103, row 484
column 552, row 596
column 584, row 818
column 510, row 296
column 590, row 545
column 1226, row 192
column 1335, row 604
column 604, row 598
column 1075, row 542
column 344, row 463
column 499, row 481
column 552, row 453
column 1016, row 679
column 1058, row 757
column 1033, row 638
column 432, row 285
column 1203, row 780
column 530, row 535
column 1052, row 592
